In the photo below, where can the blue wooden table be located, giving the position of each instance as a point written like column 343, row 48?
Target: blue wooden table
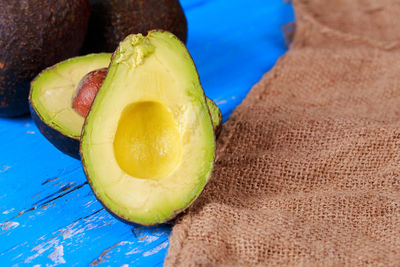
column 48, row 214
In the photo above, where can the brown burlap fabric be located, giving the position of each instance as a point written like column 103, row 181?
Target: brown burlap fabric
column 308, row 166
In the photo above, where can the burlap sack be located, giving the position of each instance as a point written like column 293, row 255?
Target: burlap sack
column 308, row 167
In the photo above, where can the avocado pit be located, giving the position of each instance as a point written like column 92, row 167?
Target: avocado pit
column 87, row 90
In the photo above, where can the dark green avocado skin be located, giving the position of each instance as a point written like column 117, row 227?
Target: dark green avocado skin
column 65, row 144
column 35, row 34
column 112, row 20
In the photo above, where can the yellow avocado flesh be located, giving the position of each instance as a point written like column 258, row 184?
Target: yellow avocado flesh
column 54, row 88
column 148, row 142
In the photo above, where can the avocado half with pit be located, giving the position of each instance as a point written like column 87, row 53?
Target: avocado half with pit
column 51, row 97
column 53, row 91
column 148, row 144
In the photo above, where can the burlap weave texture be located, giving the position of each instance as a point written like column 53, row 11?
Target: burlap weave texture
column 308, row 166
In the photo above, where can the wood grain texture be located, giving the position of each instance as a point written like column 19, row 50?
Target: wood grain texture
column 48, row 214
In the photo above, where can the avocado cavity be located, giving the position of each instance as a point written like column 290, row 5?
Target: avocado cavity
column 156, row 149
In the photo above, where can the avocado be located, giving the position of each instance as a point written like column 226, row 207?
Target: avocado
column 112, row 20
column 51, row 97
column 60, row 87
column 148, row 144
column 34, row 35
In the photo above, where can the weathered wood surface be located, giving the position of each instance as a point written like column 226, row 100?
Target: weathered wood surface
column 48, row 214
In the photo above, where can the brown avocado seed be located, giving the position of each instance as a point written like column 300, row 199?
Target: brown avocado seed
column 87, row 90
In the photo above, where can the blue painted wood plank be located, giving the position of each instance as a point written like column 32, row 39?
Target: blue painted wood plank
column 48, row 214
column 233, row 43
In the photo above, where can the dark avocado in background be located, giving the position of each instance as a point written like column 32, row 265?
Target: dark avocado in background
column 112, row 20
column 52, row 94
column 35, row 34
column 148, row 143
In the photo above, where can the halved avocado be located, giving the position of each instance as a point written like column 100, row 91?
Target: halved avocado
column 51, row 98
column 148, row 144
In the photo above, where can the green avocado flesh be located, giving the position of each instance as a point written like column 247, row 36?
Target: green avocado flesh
column 54, row 88
column 148, row 143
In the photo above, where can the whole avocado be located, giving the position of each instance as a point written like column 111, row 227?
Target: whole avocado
column 35, row 34
column 112, row 20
